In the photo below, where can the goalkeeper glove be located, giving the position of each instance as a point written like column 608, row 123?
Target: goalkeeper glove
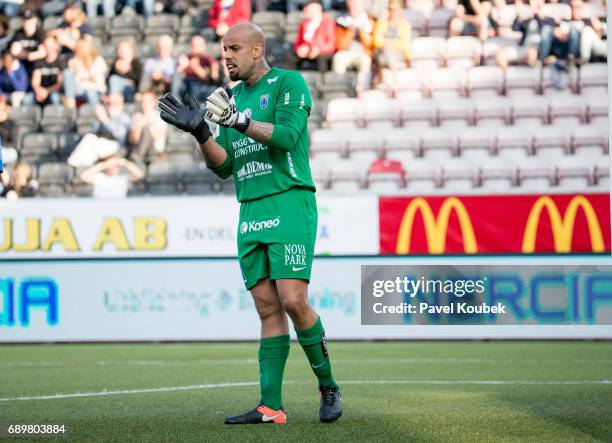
column 189, row 118
column 221, row 109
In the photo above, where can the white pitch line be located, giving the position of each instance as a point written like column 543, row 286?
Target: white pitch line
column 348, row 382
column 250, row 361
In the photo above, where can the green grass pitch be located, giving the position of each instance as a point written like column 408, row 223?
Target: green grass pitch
column 393, row 391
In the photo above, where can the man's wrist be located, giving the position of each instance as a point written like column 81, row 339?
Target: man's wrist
column 242, row 123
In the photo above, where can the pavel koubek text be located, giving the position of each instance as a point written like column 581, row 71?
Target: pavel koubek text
column 407, row 287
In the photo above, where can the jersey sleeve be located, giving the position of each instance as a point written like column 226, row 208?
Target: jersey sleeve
column 292, row 108
column 225, row 169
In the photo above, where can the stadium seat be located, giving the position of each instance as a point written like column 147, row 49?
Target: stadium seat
column 127, row 26
column 319, row 169
column 313, row 80
column 513, row 144
column 381, row 113
column 57, row 118
column 446, row 83
column 567, row 85
column 551, row 141
column 529, row 111
column 522, row 81
column 272, row 23
column 277, row 52
column 330, row 144
column 439, row 143
column 602, row 174
column 385, row 176
column 426, row 7
column 491, row 112
column 54, row 179
column 459, row 175
column 346, row 176
column 497, row 174
column 345, row 112
column 39, row 147
column 338, row 84
column 455, row 112
column 99, row 27
column 163, row 178
column 365, row 146
column 597, row 109
column 476, row 143
column 567, row 109
column 66, row 143
column 574, row 172
column 426, row 53
column 402, row 144
column 421, row 176
column 463, row 52
column 418, row 114
column 160, row 24
column 535, row 174
column 438, row 22
column 593, row 79
column 485, row 81
column 405, row 83
column 589, row 140
column 28, row 116
column 197, row 179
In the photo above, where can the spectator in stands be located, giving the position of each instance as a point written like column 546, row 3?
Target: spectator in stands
column 27, row 42
column 472, row 17
column 111, row 177
column 72, row 29
column 392, row 35
column 85, row 77
column 47, row 75
column 316, row 39
column 159, row 70
column 6, row 125
column 18, row 182
column 5, row 36
column 148, row 6
column 586, row 35
column 354, row 43
column 197, row 72
column 109, row 134
column 148, row 131
column 530, row 24
column 13, row 78
column 126, row 70
column 108, row 7
column 224, row 14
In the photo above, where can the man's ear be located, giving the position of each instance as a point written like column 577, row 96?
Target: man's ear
column 258, row 50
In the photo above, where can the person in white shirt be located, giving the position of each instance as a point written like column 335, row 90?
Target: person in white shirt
column 111, row 177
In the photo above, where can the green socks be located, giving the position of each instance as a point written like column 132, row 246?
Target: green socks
column 273, row 353
column 314, row 345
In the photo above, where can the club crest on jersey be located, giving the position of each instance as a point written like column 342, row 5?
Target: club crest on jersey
column 263, row 101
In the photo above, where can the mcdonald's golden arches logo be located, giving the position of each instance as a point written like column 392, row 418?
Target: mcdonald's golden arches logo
column 436, row 227
column 562, row 225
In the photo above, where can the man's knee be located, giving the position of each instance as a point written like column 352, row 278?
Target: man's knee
column 295, row 304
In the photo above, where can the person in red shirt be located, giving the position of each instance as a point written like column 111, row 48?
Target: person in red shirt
column 316, row 39
column 226, row 13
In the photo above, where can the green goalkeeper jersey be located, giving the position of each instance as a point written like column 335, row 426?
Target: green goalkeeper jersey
column 280, row 97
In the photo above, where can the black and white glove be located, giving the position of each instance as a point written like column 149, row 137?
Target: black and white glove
column 221, row 109
column 189, row 118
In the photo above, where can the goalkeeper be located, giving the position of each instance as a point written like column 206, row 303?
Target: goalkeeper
column 263, row 142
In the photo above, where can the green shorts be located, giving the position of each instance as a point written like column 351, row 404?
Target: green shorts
column 276, row 236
